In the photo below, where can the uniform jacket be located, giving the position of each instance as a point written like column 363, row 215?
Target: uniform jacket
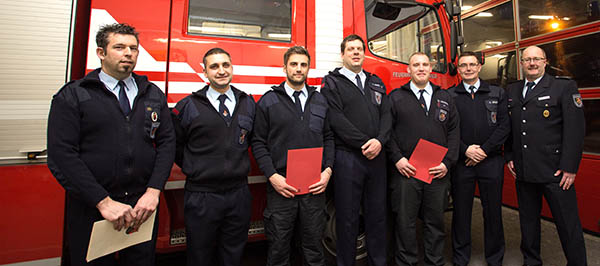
column 484, row 120
column 355, row 118
column 410, row 123
column 212, row 154
column 95, row 151
column 547, row 129
column 278, row 128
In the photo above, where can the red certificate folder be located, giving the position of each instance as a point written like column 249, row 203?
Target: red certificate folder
column 303, row 168
column 425, row 156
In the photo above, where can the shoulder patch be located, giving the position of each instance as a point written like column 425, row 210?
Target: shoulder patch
column 577, row 100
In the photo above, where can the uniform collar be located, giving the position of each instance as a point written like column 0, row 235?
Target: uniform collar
column 111, row 83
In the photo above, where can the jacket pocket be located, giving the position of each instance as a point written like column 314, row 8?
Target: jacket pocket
column 244, row 128
column 317, row 117
column 151, row 118
column 492, row 111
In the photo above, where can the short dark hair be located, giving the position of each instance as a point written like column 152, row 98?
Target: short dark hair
column 213, row 51
column 468, row 53
column 349, row 38
column 295, row 50
column 115, row 28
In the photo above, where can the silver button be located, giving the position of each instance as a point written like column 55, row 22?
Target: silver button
column 126, row 193
column 524, row 121
column 525, row 146
column 524, row 108
column 524, row 133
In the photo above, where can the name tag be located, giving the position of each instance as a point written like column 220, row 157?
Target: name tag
column 547, row 97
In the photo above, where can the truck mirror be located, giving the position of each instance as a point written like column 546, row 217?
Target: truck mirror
column 390, row 9
column 385, row 11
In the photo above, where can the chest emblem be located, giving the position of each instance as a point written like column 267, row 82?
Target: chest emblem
column 243, row 134
column 546, row 113
column 377, row 97
column 443, row 115
column 154, row 116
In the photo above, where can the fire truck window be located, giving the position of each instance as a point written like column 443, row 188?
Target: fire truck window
column 591, row 142
column 270, row 20
column 575, row 58
column 489, row 28
column 500, row 69
column 396, row 33
column 544, row 16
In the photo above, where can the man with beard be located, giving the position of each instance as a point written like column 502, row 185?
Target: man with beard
column 111, row 145
column 360, row 119
column 484, row 126
column 547, row 141
column 214, row 126
column 293, row 116
column 421, row 110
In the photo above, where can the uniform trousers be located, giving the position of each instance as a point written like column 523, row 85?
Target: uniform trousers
column 360, row 182
column 412, row 198
column 79, row 221
column 563, row 205
column 489, row 176
column 216, row 226
column 282, row 215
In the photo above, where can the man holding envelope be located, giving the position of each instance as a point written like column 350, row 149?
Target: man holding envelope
column 288, row 117
column 421, row 110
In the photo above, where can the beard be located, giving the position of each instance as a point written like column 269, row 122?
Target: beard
column 296, row 82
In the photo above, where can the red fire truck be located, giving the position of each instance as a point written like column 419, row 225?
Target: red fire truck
column 46, row 43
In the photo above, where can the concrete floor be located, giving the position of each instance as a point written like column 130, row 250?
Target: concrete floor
column 551, row 249
column 552, row 253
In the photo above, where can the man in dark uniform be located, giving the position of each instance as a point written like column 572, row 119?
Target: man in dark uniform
column 360, row 119
column 484, row 126
column 293, row 116
column 421, row 110
column 213, row 127
column 547, row 141
column 111, row 145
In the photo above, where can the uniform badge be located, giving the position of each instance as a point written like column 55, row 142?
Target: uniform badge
column 243, row 134
column 577, row 100
column 154, row 116
column 493, row 116
column 443, row 115
column 377, row 97
column 546, row 113
column 148, row 108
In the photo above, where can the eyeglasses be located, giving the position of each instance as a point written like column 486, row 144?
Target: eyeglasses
column 532, row 59
column 471, row 65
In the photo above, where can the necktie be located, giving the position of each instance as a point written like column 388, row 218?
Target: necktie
column 297, row 102
column 422, row 101
column 529, row 87
column 359, row 84
column 223, row 110
column 123, row 100
column 472, row 88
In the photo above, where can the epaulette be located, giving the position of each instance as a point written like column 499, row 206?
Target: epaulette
column 564, row 77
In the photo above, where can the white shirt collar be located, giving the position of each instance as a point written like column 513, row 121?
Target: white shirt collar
column 290, row 91
column 111, row 83
column 213, row 95
column 415, row 89
column 467, row 86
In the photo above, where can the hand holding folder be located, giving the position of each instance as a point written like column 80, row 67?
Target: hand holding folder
column 426, row 155
column 304, row 168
